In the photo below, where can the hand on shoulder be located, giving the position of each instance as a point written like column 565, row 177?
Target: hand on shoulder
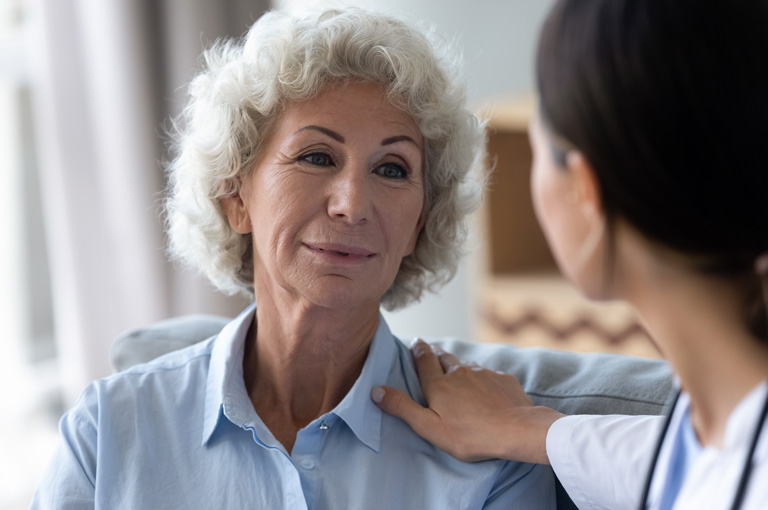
column 474, row 413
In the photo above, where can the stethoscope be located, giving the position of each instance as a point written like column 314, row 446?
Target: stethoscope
column 746, row 471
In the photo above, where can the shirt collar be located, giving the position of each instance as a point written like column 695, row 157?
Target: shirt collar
column 357, row 409
column 225, row 387
column 740, row 423
column 743, row 419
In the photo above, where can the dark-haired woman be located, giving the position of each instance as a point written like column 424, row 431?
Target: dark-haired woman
column 651, row 183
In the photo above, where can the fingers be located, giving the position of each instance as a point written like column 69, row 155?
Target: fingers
column 397, row 403
column 427, row 362
column 473, row 366
column 448, row 361
column 432, row 361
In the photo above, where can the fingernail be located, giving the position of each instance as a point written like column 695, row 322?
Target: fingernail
column 377, row 394
column 416, row 340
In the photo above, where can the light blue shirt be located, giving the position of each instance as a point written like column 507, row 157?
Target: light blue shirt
column 181, row 433
column 685, row 451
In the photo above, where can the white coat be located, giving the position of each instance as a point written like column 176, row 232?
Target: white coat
column 603, row 461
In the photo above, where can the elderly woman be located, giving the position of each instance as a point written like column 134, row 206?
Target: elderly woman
column 325, row 167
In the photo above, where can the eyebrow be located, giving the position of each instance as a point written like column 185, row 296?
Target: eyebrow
column 400, row 138
column 336, row 136
column 326, row 131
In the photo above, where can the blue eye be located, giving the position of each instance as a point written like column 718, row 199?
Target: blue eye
column 391, row 171
column 317, row 159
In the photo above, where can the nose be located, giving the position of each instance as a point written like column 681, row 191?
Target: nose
column 350, row 198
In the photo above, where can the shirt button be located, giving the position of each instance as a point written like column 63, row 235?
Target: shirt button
column 308, row 464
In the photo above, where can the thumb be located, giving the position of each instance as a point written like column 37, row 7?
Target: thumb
column 397, row 403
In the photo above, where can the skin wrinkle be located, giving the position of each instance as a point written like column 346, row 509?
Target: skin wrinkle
column 214, row 143
column 318, row 310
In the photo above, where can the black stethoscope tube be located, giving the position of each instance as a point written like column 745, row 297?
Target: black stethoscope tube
column 745, row 472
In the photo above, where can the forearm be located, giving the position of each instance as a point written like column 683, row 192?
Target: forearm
column 526, row 437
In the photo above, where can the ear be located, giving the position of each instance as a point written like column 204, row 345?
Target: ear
column 237, row 213
column 585, row 185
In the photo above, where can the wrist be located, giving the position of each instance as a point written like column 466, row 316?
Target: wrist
column 527, row 435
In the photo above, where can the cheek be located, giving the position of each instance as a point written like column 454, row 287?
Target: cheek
column 276, row 217
column 542, row 196
column 555, row 220
column 416, row 222
column 404, row 223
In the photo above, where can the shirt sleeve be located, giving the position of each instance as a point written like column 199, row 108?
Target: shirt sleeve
column 69, row 480
column 523, row 486
column 602, row 461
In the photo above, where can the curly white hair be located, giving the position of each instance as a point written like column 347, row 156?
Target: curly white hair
column 241, row 92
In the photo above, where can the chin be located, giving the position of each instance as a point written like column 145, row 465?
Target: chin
column 597, row 295
column 587, row 287
column 343, row 297
column 594, row 289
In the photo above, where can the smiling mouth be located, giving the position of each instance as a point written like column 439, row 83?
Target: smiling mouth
column 344, row 251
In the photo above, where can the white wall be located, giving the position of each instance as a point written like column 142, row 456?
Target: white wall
column 498, row 38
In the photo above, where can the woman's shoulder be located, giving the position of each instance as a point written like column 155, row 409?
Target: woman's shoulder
column 181, row 359
column 163, row 384
column 409, row 377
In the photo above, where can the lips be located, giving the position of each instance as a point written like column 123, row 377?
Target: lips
column 341, row 249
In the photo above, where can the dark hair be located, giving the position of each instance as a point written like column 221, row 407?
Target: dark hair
column 668, row 100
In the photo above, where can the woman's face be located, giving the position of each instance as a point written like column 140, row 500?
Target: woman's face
column 567, row 206
column 335, row 202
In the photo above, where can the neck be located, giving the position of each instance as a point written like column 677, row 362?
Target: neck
column 697, row 322
column 300, row 361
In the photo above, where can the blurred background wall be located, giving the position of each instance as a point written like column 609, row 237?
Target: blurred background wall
column 86, row 88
